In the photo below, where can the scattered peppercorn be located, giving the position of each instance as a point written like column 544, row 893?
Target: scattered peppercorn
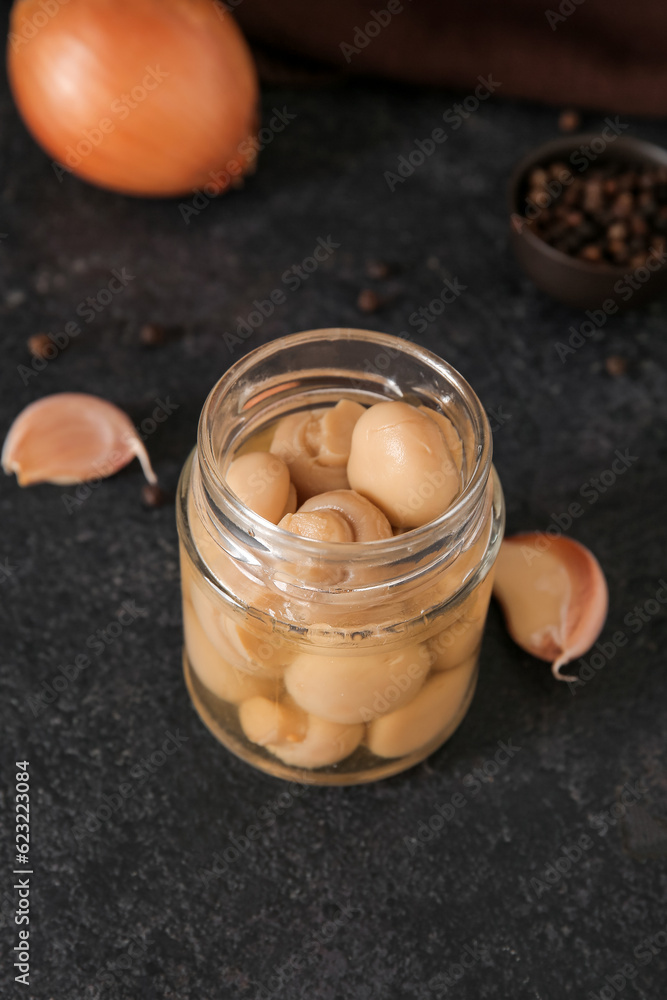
column 368, row 300
column 569, row 121
column 591, row 252
column 614, row 213
column 617, row 231
column 615, row 365
column 153, row 335
column 377, row 270
column 152, row 495
column 40, row 345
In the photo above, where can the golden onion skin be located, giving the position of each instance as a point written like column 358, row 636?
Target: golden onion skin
column 146, row 97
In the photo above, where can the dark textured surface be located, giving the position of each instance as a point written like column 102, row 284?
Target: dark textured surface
column 128, row 910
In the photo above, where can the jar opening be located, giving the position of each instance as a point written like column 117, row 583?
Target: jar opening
column 318, row 368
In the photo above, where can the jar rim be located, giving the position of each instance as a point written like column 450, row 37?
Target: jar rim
column 291, row 546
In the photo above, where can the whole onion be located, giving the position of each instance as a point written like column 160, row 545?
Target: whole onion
column 146, row 97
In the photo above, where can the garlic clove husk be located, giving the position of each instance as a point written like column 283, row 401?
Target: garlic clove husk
column 71, row 437
column 553, row 594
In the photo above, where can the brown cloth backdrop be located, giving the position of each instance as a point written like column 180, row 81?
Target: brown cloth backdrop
column 604, row 54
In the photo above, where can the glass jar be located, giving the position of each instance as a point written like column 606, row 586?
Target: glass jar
column 333, row 663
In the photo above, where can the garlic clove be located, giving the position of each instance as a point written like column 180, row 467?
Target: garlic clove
column 553, row 594
column 71, row 437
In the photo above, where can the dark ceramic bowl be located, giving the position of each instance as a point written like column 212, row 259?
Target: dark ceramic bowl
column 573, row 281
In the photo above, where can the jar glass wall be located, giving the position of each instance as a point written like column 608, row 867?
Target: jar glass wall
column 334, row 663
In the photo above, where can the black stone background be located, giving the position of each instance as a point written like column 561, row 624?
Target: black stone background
column 338, row 881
